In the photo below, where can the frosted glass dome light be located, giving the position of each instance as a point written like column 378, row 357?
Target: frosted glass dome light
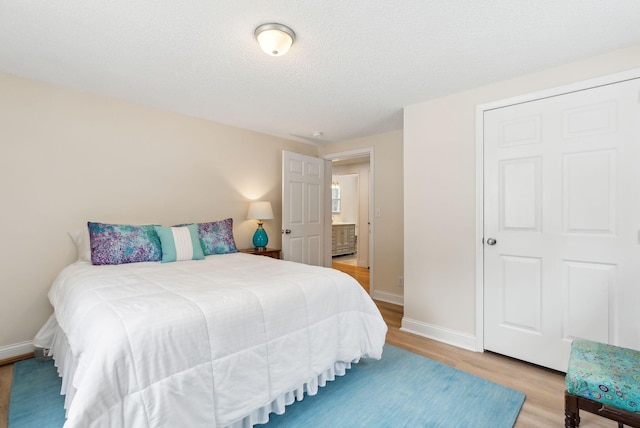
column 275, row 39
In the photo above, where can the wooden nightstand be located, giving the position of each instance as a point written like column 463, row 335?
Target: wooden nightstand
column 274, row 253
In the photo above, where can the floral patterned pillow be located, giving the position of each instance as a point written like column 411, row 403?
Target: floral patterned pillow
column 216, row 237
column 114, row 244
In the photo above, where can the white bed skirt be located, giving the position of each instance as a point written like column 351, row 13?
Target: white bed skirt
column 67, row 367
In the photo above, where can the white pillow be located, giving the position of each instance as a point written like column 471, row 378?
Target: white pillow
column 81, row 238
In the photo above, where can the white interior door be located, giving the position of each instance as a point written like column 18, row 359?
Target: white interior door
column 303, row 202
column 562, row 223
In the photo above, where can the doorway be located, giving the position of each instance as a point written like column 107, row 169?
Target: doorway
column 346, row 221
column 351, row 214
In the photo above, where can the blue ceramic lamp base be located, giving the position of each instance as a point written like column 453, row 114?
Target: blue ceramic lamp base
column 260, row 238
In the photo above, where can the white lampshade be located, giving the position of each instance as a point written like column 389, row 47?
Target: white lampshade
column 260, row 210
column 275, row 39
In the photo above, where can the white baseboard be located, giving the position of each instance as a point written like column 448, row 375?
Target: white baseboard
column 396, row 299
column 450, row 337
column 15, row 350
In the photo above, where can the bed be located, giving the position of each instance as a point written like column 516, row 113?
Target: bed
column 222, row 341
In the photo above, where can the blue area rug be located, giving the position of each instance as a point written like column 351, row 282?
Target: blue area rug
column 35, row 400
column 405, row 390
column 400, row 390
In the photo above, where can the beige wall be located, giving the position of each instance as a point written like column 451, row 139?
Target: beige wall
column 388, row 230
column 439, row 203
column 67, row 157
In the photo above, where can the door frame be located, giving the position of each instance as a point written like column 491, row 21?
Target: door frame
column 480, row 109
column 350, row 154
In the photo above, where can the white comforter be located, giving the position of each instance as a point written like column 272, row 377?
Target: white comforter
column 209, row 343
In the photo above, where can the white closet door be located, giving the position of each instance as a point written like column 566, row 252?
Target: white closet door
column 562, row 223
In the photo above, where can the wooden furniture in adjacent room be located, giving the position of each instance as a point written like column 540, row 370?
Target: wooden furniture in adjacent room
column 343, row 239
column 274, row 253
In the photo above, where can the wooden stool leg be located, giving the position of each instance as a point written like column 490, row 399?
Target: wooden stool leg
column 571, row 411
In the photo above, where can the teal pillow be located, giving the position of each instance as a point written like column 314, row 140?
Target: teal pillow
column 180, row 243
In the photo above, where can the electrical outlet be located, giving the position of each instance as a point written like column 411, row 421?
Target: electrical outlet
column 400, row 281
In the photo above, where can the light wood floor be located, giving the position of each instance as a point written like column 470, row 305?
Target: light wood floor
column 543, row 407
column 360, row 274
column 544, row 388
column 6, row 376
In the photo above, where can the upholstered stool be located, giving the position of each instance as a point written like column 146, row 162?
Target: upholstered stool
column 605, row 380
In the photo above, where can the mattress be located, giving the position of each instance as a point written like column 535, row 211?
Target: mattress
column 606, row 374
column 217, row 342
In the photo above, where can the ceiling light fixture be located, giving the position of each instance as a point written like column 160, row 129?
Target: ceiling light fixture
column 275, row 39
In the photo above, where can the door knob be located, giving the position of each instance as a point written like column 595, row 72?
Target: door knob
column 491, row 241
column 287, row 231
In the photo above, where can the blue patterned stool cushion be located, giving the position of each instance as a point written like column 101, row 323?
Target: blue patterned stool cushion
column 604, row 373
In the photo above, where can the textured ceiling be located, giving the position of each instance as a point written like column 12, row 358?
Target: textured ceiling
column 353, row 67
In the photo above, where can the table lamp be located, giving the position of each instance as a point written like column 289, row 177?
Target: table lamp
column 260, row 210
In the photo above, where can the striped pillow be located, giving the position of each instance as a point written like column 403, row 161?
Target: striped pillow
column 180, row 243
